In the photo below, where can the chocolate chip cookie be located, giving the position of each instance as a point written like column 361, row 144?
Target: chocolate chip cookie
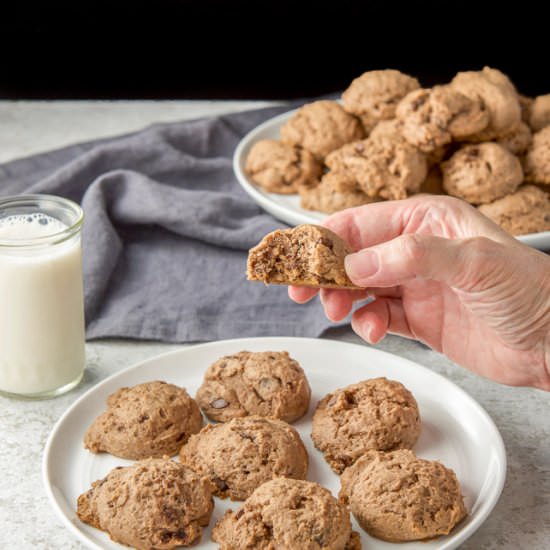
column 306, row 255
column 537, row 160
column 374, row 414
column 383, row 167
column 155, row 503
column 268, row 383
column 280, row 168
column 518, row 140
column 287, row 514
column 337, row 191
column 525, row 211
column 398, row 497
column 374, row 95
column 321, row 127
column 482, row 173
column 433, row 117
column 498, row 96
column 239, row 455
column 153, row 419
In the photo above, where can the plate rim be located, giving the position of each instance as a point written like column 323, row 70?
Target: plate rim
column 540, row 241
column 467, row 531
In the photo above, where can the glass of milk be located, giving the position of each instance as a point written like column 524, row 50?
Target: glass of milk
column 41, row 296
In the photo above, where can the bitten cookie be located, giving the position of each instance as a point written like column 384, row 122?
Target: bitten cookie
column 398, row 497
column 497, row 94
column 374, row 95
column 287, row 514
column 268, row 383
column 306, row 255
column 525, row 211
column 321, row 127
column 335, row 192
column 374, row 414
column 382, row 167
column 539, row 112
column 435, row 116
column 148, row 420
column 154, row 503
column 537, row 160
column 241, row 454
column 482, row 173
column 280, row 168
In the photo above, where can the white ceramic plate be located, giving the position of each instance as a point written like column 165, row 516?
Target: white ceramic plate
column 287, row 207
column 455, row 429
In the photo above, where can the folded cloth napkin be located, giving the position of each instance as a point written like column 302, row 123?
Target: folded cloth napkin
column 166, row 234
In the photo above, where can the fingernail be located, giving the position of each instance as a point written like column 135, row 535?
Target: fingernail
column 361, row 265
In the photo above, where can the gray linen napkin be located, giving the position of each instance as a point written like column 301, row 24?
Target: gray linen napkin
column 167, row 232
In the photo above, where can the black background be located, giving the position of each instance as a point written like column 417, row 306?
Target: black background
column 224, row 49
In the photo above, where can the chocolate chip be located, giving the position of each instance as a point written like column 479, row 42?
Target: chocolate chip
column 219, row 403
column 239, row 514
column 181, row 534
column 245, row 435
column 220, row 483
column 142, row 418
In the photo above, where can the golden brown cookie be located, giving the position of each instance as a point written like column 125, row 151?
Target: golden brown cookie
column 336, row 192
column 525, row 211
column 518, row 140
column 239, row 455
column 374, row 95
column 280, row 168
column 288, row 514
column 374, row 414
column 267, row 383
column 148, row 420
column 383, row 167
column 482, row 173
column 155, row 503
column 498, row 96
column 321, row 127
column 539, row 113
column 537, row 160
column 398, row 497
column 306, row 255
column 433, row 117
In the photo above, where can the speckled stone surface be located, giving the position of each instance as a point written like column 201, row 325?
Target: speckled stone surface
column 521, row 519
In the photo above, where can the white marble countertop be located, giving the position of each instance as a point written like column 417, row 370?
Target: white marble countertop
column 520, row 519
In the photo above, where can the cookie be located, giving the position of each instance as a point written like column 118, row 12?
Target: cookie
column 433, row 117
column 518, row 140
column 539, row 113
column 335, row 192
column 287, row 514
column 382, row 167
column 376, row 414
column 154, row 503
column 497, row 94
column 525, row 211
column 525, row 103
column 153, row 419
column 374, row 95
column 241, row 454
column 481, row 173
column 267, row 383
column 398, row 497
column 306, row 255
column 321, row 127
column 537, row 159
column 280, row 168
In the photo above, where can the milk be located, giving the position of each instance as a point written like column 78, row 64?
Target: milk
column 41, row 305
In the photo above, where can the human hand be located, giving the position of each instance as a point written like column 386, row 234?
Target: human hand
column 442, row 273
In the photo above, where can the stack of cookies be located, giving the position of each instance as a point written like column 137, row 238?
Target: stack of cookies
column 252, row 453
column 474, row 138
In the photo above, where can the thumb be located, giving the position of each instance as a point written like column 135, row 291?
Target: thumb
column 461, row 263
